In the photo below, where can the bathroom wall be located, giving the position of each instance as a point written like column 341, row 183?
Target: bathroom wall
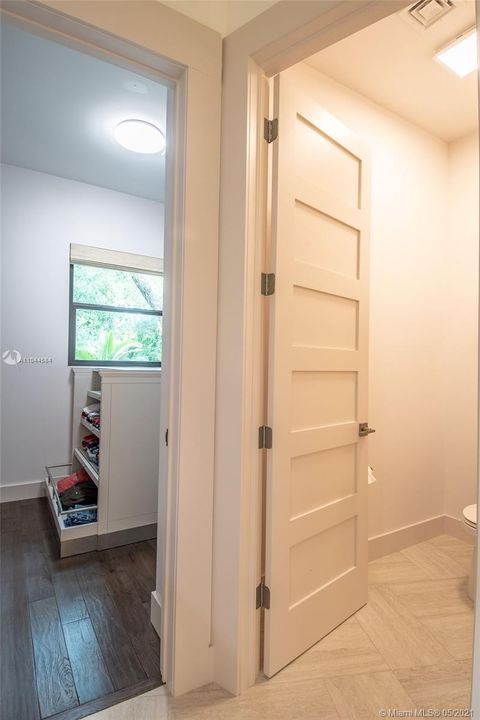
column 43, row 214
column 460, row 293
column 409, row 235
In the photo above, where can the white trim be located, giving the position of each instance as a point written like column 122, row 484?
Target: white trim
column 192, row 366
column 475, row 697
column 456, row 527
column 156, row 612
column 22, row 491
column 170, row 410
column 259, row 199
column 395, row 540
column 115, row 259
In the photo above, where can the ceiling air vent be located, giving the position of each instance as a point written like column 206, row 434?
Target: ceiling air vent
column 425, row 13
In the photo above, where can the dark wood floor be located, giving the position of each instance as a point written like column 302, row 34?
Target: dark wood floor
column 75, row 632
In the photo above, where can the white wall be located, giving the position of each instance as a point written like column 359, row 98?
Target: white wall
column 222, row 17
column 460, row 326
column 414, row 271
column 42, row 215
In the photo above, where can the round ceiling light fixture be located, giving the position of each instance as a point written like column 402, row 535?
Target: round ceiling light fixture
column 140, row 136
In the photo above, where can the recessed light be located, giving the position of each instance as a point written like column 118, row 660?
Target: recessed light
column 140, row 136
column 461, row 54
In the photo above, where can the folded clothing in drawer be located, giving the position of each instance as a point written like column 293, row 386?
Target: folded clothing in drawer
column 91, row 447
column 71, row 480
column 82, row 517
column 92, row 414
column 77, row 490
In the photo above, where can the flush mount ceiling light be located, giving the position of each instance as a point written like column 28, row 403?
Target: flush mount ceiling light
column 461, row 54
column 140, row 136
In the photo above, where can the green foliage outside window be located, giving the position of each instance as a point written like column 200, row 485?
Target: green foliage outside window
column 111, row 336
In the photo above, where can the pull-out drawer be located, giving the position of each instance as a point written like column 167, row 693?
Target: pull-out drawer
column 74, row 539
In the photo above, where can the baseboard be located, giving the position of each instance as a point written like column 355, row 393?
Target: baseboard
column 396, row 540
column 454, row 526
column 156, row 612
column 22, row 491
column 126, row 537
column 77, row 546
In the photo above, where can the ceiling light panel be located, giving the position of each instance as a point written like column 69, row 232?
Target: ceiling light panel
column 460, row 56
column 140, row 136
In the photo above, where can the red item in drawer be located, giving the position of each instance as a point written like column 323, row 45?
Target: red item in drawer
column 71, row 480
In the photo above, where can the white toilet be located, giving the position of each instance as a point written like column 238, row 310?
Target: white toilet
column 470, row 522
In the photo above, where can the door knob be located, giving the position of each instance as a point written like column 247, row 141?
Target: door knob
column 364, row 430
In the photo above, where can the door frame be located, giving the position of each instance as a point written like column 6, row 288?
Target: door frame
column 187, row 59
column 282, row 36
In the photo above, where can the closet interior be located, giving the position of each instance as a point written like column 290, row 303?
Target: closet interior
column 83, row 175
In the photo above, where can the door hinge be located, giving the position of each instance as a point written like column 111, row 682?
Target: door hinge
column 265, row 437
column 270, row 129
column 364, row 430
column 268, row 283
column 263, row 596
column 166, row 437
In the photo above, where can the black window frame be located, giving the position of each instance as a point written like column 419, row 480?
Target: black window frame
column 72, row 329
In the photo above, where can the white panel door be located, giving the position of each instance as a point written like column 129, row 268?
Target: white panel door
column 316, row 534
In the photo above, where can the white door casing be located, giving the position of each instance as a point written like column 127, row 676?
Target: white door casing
column 316, row 535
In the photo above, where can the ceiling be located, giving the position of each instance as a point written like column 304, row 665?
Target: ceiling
column 224, row 16
column 59, row 108
column 392, row 63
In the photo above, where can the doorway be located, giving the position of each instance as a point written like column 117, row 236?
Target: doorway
column 421, row 283
column 83, row 253
column 187, row 59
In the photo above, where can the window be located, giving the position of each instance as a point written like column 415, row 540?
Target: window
column 115, row 316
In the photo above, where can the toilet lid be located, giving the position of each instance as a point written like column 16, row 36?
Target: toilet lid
column 470, row 515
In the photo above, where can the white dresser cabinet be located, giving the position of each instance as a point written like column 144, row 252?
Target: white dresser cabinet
column 127, row 476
